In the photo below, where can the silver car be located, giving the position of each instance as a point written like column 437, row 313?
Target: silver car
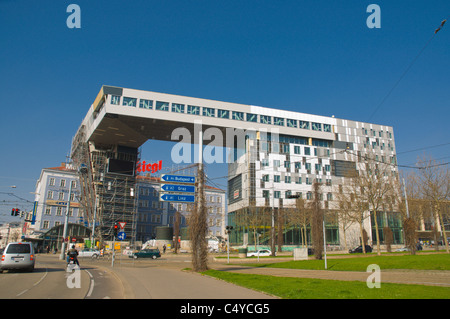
column 18, row 255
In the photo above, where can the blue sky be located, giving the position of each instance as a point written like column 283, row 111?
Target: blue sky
column 315, row 57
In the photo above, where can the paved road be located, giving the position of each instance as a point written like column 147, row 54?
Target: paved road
column 128, row 279
column 164, row 279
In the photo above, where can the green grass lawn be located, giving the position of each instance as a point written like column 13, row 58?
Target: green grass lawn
column 420, row 262
column 305, row 288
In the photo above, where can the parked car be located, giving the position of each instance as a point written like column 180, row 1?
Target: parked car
column 146, row 253
column 89, row 252
column 18, row 255
column 262, row 252
column 360, row 250
column 418, row 247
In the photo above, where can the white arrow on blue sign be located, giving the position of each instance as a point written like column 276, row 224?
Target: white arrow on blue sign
column 121, row 235
column 177, row 188
column 177, row 198
column 178, row 178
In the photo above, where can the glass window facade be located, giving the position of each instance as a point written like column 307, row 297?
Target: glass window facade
column 252, row 117
column 265, row 119
column 238, row 116
column 278, row 121
column 194, row 110
column 129, row 101
column 177, row 108
column 145, row 104
column 162, row 106
column 210, row 112
column 223, row 114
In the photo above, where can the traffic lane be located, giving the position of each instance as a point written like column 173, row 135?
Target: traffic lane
column 168, row 283
column 49, row 280
column 104, row 284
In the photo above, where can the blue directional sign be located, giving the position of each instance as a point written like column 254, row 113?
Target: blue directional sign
column 177, row 188
column 177, row 198
column 177, row 178
column 121, row 235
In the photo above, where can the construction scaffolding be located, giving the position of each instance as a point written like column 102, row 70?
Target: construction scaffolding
column 108, row 186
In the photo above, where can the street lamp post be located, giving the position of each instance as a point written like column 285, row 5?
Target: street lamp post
column 66, row 221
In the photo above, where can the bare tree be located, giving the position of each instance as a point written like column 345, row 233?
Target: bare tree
column 317, row 219
column 300, row 216
column 254, row 218
column 434, row 181
column 376, row 188
column 198, row 227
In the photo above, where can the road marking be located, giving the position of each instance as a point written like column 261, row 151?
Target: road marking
column 35, row 284
column 91, row 288
column 19, row 294
column 42, row 278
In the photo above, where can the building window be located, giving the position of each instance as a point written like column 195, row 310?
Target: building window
column 298, row 180
column 194, row 110
column 276, row 194
column 265, row 178
column 59, row 211
column 145, row 104
column 207, row 111
column 327, row 128
column 73, row 184
column 266, row 194
column 162, row 106
column 276, row 178
column 265, row 119
column 303, row 125
column 287, row 179
column 223, row 114
column 61, row 196
column 316, row 126
column 129, row 101
column 252, row 117
column 287, row 194
column 177, row 108
column 307, row 151
column 297, row 150
column 52, row 182
column 278, row 121
column 239, row 116
column 49, row 195
column 48, row 211
column 62, row 183
column 291, row 123
column 45, row 224
column 115, row 99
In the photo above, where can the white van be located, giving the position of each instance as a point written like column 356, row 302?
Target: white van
column 18, row 255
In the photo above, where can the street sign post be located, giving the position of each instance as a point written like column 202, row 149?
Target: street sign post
column 177, row 198
column 122, row 235
column 122, row 225
column 177, row 188
column 177, row 179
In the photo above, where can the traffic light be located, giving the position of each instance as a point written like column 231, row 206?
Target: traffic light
column 15, row 212
column 116, row 229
